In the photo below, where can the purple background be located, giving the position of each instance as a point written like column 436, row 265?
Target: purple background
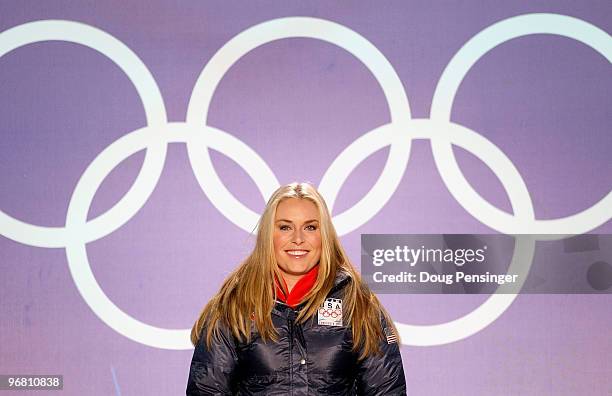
column 544, row 100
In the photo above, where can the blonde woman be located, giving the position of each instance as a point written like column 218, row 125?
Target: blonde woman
column 295, row 317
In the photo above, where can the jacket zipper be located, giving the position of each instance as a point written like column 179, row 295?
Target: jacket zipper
column 290, row 323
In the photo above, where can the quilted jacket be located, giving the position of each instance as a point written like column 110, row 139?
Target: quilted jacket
column 314, row 358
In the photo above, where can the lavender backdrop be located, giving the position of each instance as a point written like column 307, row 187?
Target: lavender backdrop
column 544, row 100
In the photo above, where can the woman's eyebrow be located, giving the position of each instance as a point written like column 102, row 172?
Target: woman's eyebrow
column 289, row 221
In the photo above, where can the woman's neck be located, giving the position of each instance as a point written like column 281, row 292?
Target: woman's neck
column 291, row 280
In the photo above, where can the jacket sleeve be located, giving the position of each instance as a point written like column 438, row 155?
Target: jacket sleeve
column 382, row 374
column 213, row 370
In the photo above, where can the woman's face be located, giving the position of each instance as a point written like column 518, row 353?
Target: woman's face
column 297, row 237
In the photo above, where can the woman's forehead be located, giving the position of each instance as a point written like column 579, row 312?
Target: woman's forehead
column 296, row 209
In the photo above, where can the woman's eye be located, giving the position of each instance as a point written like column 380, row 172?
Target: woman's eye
column 284, row 227
column 312, row 227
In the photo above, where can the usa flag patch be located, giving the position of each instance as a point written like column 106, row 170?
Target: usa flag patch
column 390, row 334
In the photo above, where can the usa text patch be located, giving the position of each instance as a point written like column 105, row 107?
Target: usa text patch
column 330, row 312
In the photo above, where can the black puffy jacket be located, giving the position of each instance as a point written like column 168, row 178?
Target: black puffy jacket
column 308, row 359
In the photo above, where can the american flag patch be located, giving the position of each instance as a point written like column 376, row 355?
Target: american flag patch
column 391, row 337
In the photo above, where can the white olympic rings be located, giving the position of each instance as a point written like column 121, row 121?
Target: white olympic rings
column 398, row 134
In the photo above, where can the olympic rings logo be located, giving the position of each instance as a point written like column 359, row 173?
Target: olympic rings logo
column 398, row 134
column 326, row 313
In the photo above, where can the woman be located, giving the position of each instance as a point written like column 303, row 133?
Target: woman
column 295, row 318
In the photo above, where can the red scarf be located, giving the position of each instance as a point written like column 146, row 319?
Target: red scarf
column 301, row 287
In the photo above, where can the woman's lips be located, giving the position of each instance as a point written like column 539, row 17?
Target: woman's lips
column 297, row 253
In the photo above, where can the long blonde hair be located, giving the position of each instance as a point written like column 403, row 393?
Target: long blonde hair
column 250, row 287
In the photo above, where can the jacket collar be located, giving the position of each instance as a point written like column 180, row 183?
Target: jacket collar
column 342, row 277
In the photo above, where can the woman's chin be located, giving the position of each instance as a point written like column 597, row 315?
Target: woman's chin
column 296, row 270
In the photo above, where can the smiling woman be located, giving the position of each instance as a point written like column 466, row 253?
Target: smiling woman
column 295, row 315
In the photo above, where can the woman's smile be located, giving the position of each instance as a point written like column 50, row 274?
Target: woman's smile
column 297, row 254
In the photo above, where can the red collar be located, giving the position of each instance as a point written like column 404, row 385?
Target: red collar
column 302, row 286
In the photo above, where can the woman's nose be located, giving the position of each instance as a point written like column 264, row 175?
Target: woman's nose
column 297, row 237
